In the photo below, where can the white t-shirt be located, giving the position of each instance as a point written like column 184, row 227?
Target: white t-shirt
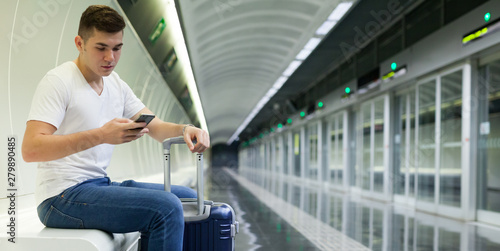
column 65, row 100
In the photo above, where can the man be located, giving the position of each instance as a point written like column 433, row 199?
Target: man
column 80, row 110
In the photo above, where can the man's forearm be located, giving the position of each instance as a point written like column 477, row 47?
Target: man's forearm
column 51, row 147
column 161, row 130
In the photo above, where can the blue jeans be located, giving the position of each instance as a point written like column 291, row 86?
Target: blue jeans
column 121, row 208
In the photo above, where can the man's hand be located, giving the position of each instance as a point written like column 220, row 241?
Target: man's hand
column 203, row 140
column 121, row 130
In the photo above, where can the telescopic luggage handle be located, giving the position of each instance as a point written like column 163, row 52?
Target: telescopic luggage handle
column 170, row 141
column 199, row 170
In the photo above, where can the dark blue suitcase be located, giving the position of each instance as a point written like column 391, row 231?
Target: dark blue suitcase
column 209, row 225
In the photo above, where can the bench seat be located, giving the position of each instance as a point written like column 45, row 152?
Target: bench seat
column 33, row 235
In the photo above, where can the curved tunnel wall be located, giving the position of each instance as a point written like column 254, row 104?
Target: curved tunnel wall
column 42, row 34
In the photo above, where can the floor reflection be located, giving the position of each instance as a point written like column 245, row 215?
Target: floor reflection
column 260, row 227
column 378, row 225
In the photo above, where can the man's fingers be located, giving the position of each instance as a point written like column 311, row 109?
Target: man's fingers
column 137, row 125
column 201, row 146
column 189, row 144
column 131, row 135
column 122, row 120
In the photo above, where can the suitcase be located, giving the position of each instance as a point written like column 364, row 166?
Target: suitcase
column 208, row 225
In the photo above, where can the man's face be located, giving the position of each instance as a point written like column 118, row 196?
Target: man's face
column 101, row 52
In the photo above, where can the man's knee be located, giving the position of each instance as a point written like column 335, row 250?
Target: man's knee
column 184, row 192
column 168, row 221
column 170, row 209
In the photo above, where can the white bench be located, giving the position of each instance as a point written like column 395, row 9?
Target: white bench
column 33, row 235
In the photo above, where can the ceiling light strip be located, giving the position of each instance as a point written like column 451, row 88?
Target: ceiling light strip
column 182, row 53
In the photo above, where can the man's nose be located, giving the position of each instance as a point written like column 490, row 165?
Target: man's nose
column 109, row 56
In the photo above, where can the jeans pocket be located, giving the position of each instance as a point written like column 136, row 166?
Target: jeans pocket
column 57, row 219
column 44, row 208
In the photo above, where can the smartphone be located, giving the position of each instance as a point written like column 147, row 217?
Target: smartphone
column 144, row 118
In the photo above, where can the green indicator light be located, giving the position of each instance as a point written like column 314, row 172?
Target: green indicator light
column 272, row 129
column 320, row 104
column 280, row 126
column 289, row 121
column 394, row 66
column 487, row 17
column 261, row 135
column 347, row 90
column 302, row 114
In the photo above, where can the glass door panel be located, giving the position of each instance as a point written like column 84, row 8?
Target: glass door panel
column 296, row 153
column 325, row 148
column 400, row 144
column 354, row 176
column 340, row 149
column 404, row 147
column 278, row 154
column 366, row 145
column 426, row 140
column 264, row 155
column 285, row 153
column 336, row 150
column 371, row 172
column 489, row 138
column 451, row 139
column 333, row 150
column 313, row 151
column 378, row 155
column 261, row 157
column 411, row 161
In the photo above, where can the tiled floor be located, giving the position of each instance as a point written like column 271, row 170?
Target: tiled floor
column 276, row 214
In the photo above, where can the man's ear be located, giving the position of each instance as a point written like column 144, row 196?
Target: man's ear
column 79, row 43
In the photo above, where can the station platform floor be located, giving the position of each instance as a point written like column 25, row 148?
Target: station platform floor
column 270, row 221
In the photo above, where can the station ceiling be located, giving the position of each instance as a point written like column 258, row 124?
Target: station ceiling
column 239, row 48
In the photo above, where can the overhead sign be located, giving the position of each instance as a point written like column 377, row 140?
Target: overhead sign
column 155, row 34
column 481, row 32
column 395, row 73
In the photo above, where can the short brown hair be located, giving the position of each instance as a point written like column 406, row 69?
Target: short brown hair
column 101, row 17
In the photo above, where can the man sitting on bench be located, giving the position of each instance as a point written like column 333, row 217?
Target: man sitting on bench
column 80, row 110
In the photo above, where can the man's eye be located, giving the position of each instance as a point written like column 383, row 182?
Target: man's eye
column 117, row 49
column 101, row 48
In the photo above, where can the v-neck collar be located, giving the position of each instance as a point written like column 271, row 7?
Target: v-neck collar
column 88, row 85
